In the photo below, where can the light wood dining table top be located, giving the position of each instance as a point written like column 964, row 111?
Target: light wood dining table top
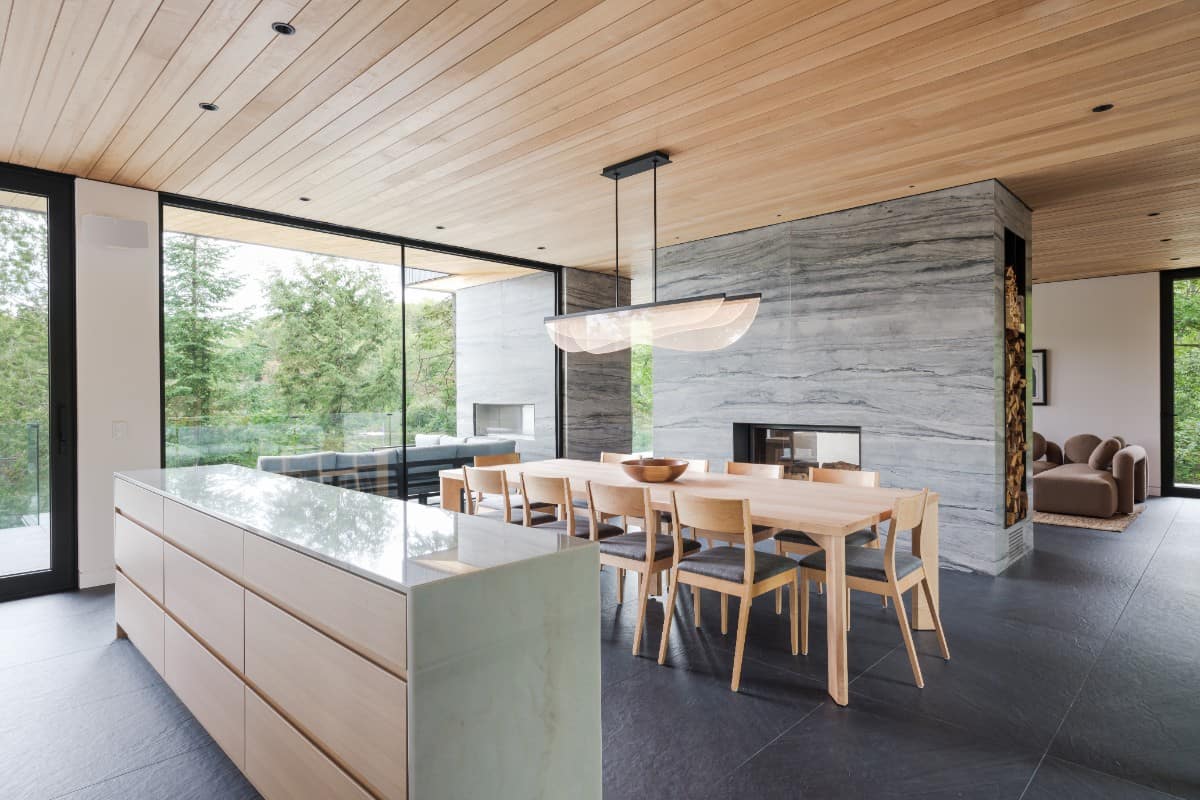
column 821, row 508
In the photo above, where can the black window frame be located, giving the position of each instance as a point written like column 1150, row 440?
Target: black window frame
column 1166, row 319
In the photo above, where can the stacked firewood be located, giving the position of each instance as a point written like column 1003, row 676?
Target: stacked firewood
column 1016, row 499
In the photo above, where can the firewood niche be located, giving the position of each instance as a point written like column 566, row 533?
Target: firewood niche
column 1016, row 498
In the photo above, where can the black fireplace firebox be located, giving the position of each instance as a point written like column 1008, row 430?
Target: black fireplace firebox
column 798, row 447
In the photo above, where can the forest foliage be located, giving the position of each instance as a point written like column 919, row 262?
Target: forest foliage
column 1187, row 381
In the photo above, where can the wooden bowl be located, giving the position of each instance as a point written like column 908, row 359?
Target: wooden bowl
column 654, row 470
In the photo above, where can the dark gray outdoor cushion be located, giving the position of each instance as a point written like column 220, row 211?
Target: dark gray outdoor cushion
column 729, row 564
column 633, row 545
column 856, row 539
column 865, row 563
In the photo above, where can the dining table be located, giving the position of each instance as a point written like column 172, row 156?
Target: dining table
column 828, row 513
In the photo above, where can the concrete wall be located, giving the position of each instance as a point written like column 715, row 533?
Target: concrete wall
column 503, row 354
column 1102, row 341
column 118, row 389
column 886, row 317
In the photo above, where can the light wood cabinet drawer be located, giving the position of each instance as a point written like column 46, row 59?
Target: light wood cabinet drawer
column 139, row 554
column 209, row 539
column 207, row 602
column 355, row 709
column 214, row 695
column 363, row 615
column 141, row 620
column 283, row 765
column 140, row 504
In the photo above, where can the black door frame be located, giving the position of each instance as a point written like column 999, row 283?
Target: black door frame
column 1166, row 319
column 59, row 191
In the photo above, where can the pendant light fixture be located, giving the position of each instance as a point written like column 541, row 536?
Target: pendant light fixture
column 708, row 322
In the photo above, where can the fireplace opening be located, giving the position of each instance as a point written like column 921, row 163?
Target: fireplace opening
column 798, row 447
column 507, row 420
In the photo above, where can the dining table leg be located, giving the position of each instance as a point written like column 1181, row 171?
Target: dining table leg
column 836, row 614
column 451, row 490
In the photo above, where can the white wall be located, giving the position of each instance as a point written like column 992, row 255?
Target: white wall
column 1101, row 337
column 117, row 306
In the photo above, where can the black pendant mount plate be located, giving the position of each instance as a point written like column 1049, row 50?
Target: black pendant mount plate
column 636, row 166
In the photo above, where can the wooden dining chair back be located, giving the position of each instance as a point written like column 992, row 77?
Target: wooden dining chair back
column 614, row 458
column 745, row 574
column 497, row 459
column 696, row 464
column 754, row 470
column 478, row 483
column 846, row 477
column 626, row 502
column 886, row 574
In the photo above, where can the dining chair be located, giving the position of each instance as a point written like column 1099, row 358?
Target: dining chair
column 788, row 542
column 488, row 494
column 647, row 554
column 556, row 492
column 754, row 470
column 741, row 572
column 497, row 459
column 884, row 573
column 614, row 458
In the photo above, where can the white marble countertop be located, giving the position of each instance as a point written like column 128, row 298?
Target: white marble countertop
column 395, row 543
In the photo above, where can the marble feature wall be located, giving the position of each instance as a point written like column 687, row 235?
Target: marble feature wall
column 503, row 354
column 887, row 317
column 596, row 391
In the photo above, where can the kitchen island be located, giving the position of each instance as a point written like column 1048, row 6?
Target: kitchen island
column 340, row 644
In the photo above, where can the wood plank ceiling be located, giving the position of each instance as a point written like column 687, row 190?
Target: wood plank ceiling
column 484, row 123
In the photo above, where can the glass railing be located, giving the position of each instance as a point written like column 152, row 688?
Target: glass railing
column 24, row 475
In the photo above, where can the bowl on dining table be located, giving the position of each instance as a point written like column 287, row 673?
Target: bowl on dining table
column 654, row 470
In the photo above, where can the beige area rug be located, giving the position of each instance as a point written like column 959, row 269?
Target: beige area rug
column 1115, row 524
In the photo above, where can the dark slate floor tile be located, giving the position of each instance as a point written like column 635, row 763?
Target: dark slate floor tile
column 883, row 752
column 72, row 680
column 678, row 730
column 1004, row 679
column 201, row 774
column 56, row 752
column 47, row 608
column 40, row 639
column 1061, row 780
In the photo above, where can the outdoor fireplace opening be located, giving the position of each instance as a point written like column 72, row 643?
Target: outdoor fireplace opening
column 798, row 447
column 506, row 420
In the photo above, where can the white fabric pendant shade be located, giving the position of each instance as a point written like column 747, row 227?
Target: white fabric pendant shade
column 702, row 323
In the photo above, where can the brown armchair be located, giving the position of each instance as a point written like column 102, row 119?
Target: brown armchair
column 1046, row 455
column 1099, row 478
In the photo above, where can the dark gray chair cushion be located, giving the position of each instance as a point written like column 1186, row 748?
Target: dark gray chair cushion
column 729, row 564
column 514, row 500
column 633, row 545
column 583, row 528
column 517, row 517
column 857, row 539
column 865, row 563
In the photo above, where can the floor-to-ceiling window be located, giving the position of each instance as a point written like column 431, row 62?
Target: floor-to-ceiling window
column 364, row 362
column 1181, row 381
column 37, row 526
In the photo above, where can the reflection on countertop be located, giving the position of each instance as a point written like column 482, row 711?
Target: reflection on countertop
column 392, row 542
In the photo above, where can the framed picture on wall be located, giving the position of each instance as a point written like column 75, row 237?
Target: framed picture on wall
column 1040, row 379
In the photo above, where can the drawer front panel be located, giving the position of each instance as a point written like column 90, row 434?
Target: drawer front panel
column 210, row 691
column 207, row 602
column 355, row 709
column 211, row 540
column 140, row 504
column 141, row 620
column 363, row 615
column 139, row 554
column 283, row 765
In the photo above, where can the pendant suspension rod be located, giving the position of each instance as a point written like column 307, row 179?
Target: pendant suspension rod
column 654, row 268
column 616, row 240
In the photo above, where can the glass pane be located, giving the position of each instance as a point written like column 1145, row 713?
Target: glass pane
column 1187, row 382
column 24, row 386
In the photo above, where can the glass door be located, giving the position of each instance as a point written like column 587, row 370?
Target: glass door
column 1181, row 382
column 37, row 525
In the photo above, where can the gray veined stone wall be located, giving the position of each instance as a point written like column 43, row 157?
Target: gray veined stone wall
column 887, row 317
column 504, row 356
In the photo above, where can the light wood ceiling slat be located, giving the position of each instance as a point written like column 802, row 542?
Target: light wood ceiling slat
column 492, row 117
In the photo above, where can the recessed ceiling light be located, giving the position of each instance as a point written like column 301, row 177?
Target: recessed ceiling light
column 912, row 186
column 441, row 227
column 1174, row 259
column 541, row 247
column 305, row 199
column 209, row 106
column 1153, row 214
column 1164, row 240
column 1100, row 109
column 283, row 28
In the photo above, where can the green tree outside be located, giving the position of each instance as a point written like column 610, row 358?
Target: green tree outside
column 1187, row 381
